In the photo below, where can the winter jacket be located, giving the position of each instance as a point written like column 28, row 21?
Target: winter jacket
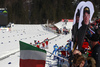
column 96, row 54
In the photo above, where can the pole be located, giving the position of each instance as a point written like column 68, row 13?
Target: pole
column 58, row 56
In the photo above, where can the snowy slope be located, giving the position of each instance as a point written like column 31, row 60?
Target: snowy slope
column 9, row 42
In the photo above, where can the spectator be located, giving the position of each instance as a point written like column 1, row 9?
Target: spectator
column 75, row 27
column 57, row 30
column 95, row 49
column 85, row 47
column 91, row 62
column 98, row 32
column 77, row 52
column 83, row 28
column 78, row 61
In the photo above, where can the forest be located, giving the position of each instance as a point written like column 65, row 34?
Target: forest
column 39, row 11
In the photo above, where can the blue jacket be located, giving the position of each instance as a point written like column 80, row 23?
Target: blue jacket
column 55, row 47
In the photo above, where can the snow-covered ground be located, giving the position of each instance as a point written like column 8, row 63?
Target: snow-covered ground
column 9, row 42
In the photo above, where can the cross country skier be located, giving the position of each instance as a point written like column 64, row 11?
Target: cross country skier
column 55, row 49
column 38, row 44
column 59, row 54
column 46, row 41
column 43, row 44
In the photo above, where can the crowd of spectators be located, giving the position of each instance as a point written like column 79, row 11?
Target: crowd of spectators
column 89, row 55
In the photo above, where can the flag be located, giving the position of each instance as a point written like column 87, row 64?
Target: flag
column 31, row 56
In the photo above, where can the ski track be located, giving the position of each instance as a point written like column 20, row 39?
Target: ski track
column 9, row 43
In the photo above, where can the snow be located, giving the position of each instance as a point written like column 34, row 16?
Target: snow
column 60, row 25
column 9, row 42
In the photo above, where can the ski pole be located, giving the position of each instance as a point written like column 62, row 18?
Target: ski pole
column 58, row 56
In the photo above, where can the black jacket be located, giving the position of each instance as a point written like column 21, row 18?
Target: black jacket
column 96, row 54
column 81, row 34
column 74, row 31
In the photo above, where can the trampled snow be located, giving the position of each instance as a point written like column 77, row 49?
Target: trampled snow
column 9, row 42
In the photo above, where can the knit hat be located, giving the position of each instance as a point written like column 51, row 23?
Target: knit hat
column 86, row 9
column 94, row 37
